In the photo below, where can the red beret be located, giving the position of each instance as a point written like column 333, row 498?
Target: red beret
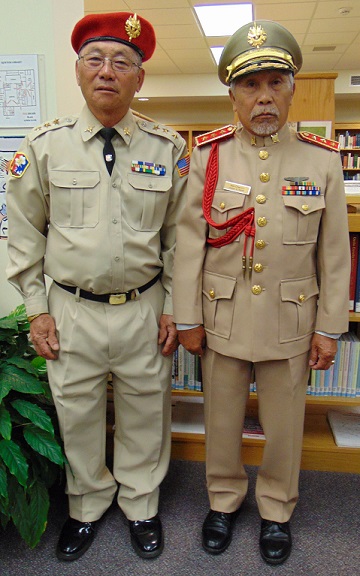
column 123, row 27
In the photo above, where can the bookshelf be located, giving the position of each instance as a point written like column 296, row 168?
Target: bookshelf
column 348, row 135
column 319, row 449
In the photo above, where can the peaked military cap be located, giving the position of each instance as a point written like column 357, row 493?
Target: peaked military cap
column 260, row 45
column 123, row 27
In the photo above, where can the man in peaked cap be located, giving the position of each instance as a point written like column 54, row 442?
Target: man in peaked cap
column 264, row 296
column 93, row 203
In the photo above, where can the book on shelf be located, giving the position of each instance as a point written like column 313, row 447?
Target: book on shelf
column 345, row 427
column 343, row 378
column 352, row 187
column 354, row 251
column 188, row 417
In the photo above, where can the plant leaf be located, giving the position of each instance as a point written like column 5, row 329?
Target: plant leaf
column 5, row 423
column 3, row 483
column 23, row 363
column 38, row 511
column 34, row 413
column 14, row 459
column 42, row 442
column 19, row 380
column 4, row 388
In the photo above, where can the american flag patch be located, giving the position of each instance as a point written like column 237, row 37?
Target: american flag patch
column 183, row 165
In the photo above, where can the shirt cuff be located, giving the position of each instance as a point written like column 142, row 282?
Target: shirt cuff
column 186, row 326
column 333, row 336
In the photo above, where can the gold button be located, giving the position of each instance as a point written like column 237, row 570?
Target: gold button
column 305, row 207
column 258, row 267
column 263, row 154
column 260, row 244
column 302, row 298
column 264, row 177
column 260, row 199
column 212, row 293
column 256, row 289
column 222, row 205
column 262, row 221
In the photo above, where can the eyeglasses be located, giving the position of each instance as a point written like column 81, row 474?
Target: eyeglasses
column 119, row 64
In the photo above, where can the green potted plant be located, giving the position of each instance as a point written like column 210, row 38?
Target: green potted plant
column 31, row 455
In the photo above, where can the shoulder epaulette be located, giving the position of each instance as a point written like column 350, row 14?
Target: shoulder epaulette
column 161, row 130
column 319, row 141
column 218, row 134
column 53, row 125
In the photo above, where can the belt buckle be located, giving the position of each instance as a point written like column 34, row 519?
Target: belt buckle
column 116, row 299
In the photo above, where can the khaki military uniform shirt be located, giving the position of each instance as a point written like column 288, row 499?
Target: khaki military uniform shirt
column 72, row 221
column 300, row 275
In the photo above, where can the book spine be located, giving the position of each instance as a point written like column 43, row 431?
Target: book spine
column 354, row 249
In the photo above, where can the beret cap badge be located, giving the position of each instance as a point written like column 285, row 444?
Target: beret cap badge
column 133, row 27
column 256, row 35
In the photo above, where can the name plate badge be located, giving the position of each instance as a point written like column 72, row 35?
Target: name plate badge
column 239, row 188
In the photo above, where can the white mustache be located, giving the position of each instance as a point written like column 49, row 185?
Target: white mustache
column 265, row 110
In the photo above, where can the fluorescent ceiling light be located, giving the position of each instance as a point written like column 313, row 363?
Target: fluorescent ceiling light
column 216, row 52
column 223, row 19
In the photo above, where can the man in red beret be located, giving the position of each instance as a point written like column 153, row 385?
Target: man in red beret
column 96, row 198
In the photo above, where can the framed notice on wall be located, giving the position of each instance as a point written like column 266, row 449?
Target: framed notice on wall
column 8, row 146
column 19, row 91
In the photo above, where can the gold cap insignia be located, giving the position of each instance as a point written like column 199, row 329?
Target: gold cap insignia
column 256, row 36
column 133, row 27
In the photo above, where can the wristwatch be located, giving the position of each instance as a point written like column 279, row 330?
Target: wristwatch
column 31, row 318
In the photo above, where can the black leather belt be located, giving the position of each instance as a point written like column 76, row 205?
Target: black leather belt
column 114, row 299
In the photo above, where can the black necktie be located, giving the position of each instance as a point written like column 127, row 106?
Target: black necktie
column 109, row 152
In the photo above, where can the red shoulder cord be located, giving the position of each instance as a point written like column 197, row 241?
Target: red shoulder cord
column 241, row 223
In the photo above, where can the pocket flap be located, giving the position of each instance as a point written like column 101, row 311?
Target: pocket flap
column 305, row 204
column 299, row 290
column 74, row 179
column 224, row 201
column 149, row 183
column 216, row 286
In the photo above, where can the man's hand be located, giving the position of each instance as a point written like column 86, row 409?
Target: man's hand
column 193, row 340
column 322, row 353
column 43, row 336
column 168, row 335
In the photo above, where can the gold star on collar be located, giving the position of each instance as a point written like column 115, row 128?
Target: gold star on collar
column 47, row 124
column 56, row 121
column 253, row 140
column 127, row 131
column 275, row 137
column 90, row 129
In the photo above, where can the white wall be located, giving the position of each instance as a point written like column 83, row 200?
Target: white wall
column 41, row 27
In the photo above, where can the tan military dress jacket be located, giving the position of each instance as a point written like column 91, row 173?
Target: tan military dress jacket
column 301, row 261
column 72, row 221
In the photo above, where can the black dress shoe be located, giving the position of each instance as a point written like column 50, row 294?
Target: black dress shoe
column 75, row 538
column 275, row 541
column 147, row 537
column 217, row 531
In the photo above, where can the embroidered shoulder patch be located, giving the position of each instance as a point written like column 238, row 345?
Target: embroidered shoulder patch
column 183, row 165
column 19, row 164
column 319, row 141
column 218, row 134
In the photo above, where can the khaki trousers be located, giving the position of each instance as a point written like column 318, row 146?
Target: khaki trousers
column 96, row 339
column 281, row 389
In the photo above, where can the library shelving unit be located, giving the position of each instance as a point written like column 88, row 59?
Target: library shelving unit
column 319, row 449
column 349, row 137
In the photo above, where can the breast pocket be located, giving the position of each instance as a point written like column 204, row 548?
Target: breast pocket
column 301, row 218
column 225, row 206
column 218, row 303
column 146, row 201
column 74, row 198
column 298, row 308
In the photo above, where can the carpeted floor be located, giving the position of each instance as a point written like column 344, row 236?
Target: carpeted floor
column 325, row 528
